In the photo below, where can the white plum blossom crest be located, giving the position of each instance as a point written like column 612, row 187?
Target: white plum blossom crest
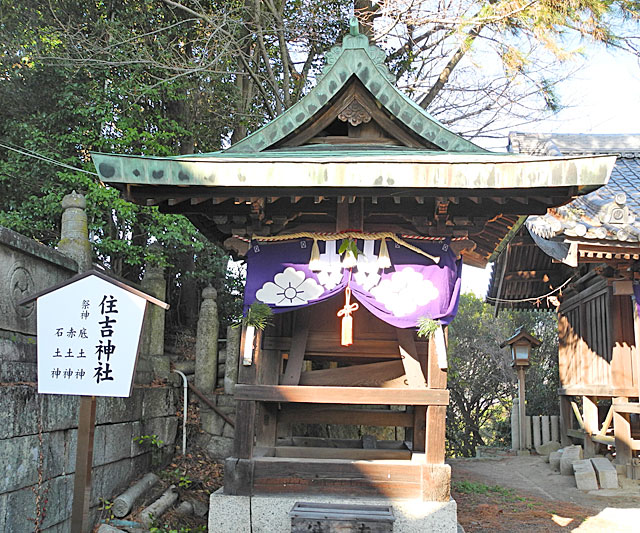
column 405, row 291
column 288, row 288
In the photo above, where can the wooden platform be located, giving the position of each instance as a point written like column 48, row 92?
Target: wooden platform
column 301, row 378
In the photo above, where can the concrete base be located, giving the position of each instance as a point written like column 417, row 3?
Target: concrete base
column 270, row 514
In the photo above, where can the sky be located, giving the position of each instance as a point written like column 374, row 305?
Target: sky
column 603, row 97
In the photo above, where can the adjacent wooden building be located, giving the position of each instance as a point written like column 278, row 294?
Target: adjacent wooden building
column 590, row 248
column 354, row 154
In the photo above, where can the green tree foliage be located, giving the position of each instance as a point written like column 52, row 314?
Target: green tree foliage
column 481, row 381
column 166, row 77
column 63, row 98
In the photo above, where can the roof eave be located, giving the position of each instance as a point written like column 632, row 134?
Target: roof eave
column 453, row 171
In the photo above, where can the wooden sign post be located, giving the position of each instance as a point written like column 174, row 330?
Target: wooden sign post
column 80, row 520
column 88, row 337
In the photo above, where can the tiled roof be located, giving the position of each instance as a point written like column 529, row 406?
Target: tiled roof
column 611, row 213
column 574, row 144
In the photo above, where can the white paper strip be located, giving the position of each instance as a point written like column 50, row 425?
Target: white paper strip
column 247, row 355
column 441, row 348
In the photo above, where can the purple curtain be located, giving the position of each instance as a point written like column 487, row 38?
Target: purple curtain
column 636, row 293
column 414, row 286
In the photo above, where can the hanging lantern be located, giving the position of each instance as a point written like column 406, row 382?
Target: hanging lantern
column 347, row 319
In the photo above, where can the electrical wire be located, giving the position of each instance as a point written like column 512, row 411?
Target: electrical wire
column 36, row 155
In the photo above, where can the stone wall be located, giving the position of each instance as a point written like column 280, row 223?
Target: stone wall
column 38, row 431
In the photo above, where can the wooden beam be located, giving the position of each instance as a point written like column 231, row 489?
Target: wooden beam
column 317, row 344
column 354, row 454
column 622, row 433
column 576, row 433
column 577, row 414
column 313, row 414
column 599, row 391
column 603, row 439
column 199, row 200
column 298, row 348
column 390, row 478
column 176, row 201
column 341, row 395
column 368, row 375
column 410, row 359
column 626, row 408
column 342, row 214
column 566, row 419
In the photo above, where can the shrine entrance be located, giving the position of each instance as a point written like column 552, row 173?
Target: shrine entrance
column 354, row 195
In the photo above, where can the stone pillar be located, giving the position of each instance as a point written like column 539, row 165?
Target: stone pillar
column 207, row 343
column 546, row 434
column 231, row 362
column 537, row 441
column 554, row 428
column 515, row 425
column 156, row 362
column 74, row 237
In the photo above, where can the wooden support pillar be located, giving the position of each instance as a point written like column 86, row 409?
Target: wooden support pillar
column 267, row 373
column 244, row 430
column 419, row 436
column 436, row 414
column 80, row 516
column 566, row 416
column 622, row 434
column 590, row 418
column 238, row 474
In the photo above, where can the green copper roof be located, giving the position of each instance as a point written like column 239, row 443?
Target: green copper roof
column 356, row 57
column 368, row 169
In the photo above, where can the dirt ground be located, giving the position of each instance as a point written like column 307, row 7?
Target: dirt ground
column 523, row 494
column 496, row 495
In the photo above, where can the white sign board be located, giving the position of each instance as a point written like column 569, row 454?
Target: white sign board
column 88, row 336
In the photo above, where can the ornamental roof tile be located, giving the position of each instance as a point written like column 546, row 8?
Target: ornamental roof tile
column 611, row 213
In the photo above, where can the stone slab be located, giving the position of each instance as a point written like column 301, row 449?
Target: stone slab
column 19, row 465
column 159, row 402
column 554, row 460
column 585, row 475
column 546, row 449
column 605, row 472
column 219, row 447
column 569, row 455
column 270, row 513
column 19, row 408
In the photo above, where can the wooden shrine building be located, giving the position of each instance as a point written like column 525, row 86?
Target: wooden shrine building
column 357, row 162
column 586, row 257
